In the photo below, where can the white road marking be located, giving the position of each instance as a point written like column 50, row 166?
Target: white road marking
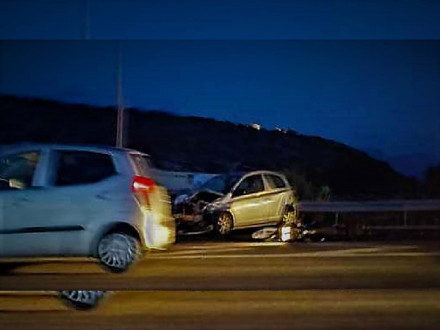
column 215, row 246
column 378, row 251
column 216, row 250
column 333, row 254
column 195, row 252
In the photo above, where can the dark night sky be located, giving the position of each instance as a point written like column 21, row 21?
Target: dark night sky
column 379, row 95
column 221, row 19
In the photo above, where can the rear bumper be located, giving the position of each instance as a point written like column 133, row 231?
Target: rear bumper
column 159, row 231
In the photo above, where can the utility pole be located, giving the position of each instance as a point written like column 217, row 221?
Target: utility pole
column 119, row 100
column 87, row 20
column 120, row 117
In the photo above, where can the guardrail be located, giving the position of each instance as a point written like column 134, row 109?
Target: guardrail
column 371, row 206
column 403, row 206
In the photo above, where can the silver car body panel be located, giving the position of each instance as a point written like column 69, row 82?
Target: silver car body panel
column 257, row 209
column 49, row 220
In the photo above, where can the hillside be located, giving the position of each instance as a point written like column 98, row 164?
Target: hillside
column 207, row 145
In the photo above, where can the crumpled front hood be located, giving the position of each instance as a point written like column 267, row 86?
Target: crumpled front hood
column 221, row 203
column 207, row 196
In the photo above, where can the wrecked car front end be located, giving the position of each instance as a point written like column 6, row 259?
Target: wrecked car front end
column 196, row 214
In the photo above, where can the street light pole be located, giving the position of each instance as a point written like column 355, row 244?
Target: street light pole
column 120, row 116
column 119, row 100
column 87, row 20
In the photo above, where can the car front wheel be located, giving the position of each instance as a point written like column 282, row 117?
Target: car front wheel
column 224, row 224
column 118, row 251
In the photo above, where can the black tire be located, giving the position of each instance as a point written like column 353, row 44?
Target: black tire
column 224, row 224
column 117, row 251
column 82, row 300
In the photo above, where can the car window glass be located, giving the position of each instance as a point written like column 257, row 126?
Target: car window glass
column 80, row 167
column 250, row 185
column 17, row 171
column 216, row 183
column 142, row 163
column 275, row 181
column 221, row 183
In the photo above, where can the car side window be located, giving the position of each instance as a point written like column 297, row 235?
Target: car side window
column 250, row 185
column 82, row 167
column 17, row 171
column 275, row 181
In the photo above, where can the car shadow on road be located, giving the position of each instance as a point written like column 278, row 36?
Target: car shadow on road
column 50, row 268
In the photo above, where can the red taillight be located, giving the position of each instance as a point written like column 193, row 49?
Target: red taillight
column 142, row 187
column 142, row 184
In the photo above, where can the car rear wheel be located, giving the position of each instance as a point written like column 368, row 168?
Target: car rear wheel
column 118, row 251
column 224, row 224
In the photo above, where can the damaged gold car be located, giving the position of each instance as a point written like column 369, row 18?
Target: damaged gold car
column 239, row 200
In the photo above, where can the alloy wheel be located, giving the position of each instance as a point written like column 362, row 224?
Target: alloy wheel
column 117, row 251
column 224, row 224
column 81, row 299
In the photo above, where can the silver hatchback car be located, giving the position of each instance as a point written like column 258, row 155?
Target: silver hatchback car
column 237, row 200
column 64, row 200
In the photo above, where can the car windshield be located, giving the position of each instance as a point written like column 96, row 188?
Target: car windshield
column 221, row 183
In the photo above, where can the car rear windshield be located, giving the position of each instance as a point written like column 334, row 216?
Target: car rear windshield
column 142, row 163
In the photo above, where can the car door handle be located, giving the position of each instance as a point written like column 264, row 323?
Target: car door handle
column 103, row 196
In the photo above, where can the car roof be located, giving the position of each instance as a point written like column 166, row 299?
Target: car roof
column 263, row 172
column 17, row 147
column 244, row 173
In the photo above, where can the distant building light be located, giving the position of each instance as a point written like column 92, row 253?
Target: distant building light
column 256, row 126
column 281, row 130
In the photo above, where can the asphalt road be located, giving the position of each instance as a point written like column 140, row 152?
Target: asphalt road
column 238, row 285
